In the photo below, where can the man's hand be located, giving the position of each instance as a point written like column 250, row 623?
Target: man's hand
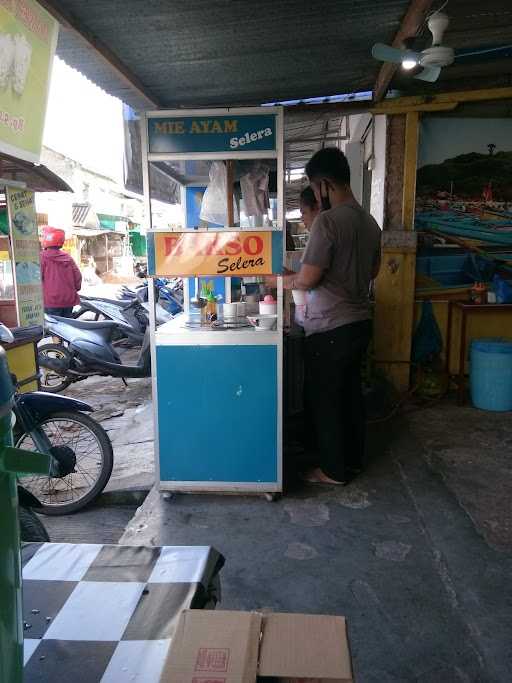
column 307, row 278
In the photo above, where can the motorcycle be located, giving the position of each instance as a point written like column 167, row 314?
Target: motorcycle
column 130, row 313
column 86, row 350
column 162, row 315
column 168, row 294
column 81, row 456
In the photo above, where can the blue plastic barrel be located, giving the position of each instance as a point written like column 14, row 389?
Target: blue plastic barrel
column 490, row 374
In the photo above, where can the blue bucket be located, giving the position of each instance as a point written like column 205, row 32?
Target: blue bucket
column 490, row 374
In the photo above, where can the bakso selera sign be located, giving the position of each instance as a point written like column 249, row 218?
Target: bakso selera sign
column 231, row 133
column 229, row 253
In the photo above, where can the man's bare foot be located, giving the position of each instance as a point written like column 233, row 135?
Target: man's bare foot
column 317, row 476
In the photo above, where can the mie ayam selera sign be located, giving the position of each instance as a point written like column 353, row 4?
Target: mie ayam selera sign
column 231, row 133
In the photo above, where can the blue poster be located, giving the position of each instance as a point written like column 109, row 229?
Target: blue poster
column 182, row 134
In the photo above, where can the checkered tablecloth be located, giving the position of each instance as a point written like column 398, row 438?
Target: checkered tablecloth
column 106, row 612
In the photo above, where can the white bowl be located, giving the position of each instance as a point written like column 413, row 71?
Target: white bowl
column 268, row 309
column 263, row 323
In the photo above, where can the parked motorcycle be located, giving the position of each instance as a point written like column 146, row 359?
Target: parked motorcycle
column 168, row 294
column 162, row 315
column 80, row 453
column 86, row 350
column 130, row 313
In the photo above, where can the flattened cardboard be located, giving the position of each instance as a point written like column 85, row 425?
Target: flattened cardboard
column 214, row 647
column 235, row 647
column 305, row 646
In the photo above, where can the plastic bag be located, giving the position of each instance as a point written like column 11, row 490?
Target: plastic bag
column 427, row 342
column 214, row 207
column 503, row 290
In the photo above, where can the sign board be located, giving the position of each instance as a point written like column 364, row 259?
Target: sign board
column 25, row 256
column 28, row 36
column 224, row 253
column 206, row 134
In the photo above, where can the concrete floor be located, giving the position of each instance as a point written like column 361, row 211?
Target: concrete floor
column 97, row 524
column 417, row 553
column 126, row 413
column 427, row 598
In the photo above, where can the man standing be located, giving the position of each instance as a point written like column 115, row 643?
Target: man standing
column 341, row 259
column 61, row 277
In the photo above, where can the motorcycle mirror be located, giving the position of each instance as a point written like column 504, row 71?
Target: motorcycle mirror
column 6, row 335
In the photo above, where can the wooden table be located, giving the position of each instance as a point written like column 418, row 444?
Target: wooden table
column 466, row 309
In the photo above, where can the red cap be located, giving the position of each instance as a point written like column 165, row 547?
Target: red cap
column 52, row 237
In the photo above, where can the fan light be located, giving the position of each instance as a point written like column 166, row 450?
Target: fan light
column 409, row 63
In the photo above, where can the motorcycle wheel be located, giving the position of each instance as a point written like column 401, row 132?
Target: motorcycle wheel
column 50, row 380
column 92, row 448
column 31, row 527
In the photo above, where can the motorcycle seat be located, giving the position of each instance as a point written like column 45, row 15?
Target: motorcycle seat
column 91, row 325
column 120, row 303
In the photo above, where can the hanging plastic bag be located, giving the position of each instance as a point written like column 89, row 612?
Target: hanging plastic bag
column 503, row 290
column 427, row 341
column 214, row 207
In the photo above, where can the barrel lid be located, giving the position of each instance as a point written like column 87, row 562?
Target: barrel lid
column 492, row 345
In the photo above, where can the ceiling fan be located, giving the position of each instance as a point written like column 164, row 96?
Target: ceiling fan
column 434, row 58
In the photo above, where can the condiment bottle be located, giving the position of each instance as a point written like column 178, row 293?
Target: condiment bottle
column 211, row 307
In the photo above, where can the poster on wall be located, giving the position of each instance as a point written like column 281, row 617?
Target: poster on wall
column 25, row 256
column 464, row 178
column 28, row 37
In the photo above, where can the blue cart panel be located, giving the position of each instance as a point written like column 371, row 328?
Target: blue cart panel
column 217, row 413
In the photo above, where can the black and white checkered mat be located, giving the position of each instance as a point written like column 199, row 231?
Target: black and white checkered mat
column 107, row 613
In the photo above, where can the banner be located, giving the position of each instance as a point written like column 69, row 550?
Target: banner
column 162, row 186
column 185, row 134
column 28, row 37
column 226, row 253
column 25, row 256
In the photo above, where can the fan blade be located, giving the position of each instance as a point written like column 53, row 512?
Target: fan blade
column 386, row 53
column 429, row 74
column 488, row 52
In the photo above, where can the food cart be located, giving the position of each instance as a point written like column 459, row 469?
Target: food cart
column 217, row 368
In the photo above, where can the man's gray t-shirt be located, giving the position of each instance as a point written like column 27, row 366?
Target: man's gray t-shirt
column 345, row 242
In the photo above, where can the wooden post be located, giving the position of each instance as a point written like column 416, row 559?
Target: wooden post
column 412, row 123
column 395, row 287
column 230, row 172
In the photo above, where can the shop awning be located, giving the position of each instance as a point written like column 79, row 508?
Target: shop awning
column 36, row 176
column 108, row 222
column 89, row 232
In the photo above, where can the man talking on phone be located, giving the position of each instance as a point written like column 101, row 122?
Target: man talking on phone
column 341, row 259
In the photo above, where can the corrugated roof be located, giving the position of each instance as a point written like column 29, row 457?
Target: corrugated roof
column 222, row 52
column 80, row 212
column 225, row 53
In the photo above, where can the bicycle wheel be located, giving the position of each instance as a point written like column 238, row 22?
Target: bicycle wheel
column 50, row 380
column 80, row 444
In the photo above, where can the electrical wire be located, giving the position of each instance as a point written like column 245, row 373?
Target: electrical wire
column 440, row 9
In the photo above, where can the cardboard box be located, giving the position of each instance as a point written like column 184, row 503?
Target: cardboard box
column 242, row 647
